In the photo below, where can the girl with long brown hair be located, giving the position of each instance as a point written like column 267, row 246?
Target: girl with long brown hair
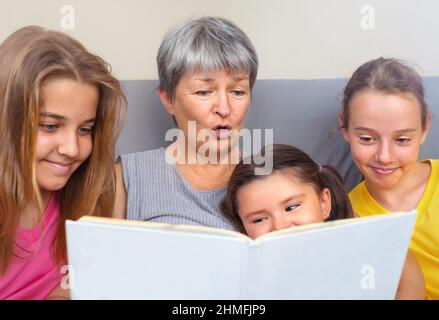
column 61, row 111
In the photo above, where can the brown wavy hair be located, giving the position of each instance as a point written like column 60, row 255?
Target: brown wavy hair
column 28, row 58
column 293, row 161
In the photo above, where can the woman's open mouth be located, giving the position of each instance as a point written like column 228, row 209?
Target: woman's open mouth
column 222, row 132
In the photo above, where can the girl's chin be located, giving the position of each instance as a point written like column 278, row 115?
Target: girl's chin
column 381, row 182
column 51, row 187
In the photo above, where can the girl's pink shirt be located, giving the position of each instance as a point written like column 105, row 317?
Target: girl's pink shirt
column 33, row 272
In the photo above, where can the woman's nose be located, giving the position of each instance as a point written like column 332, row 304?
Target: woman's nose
column 223, row 106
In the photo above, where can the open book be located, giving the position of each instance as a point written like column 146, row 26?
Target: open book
column 360, row 258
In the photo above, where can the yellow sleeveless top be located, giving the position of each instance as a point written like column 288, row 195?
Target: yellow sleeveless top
column 425, row 239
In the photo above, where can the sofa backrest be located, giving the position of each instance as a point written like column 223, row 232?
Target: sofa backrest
column 302, row 113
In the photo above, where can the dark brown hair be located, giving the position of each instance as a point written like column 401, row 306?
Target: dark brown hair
column 296, row 162
column 388, row 76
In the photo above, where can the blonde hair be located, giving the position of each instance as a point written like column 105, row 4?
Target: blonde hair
column 28, row 58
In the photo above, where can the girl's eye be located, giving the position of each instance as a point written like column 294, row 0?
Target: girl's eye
column 203, row 93
column 403, row 140
column 292, row 207
column 259, row 220
column 366, row 139
column 85, row 131
column 48, row 127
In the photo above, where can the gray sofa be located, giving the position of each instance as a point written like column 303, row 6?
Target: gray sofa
column 302, row 113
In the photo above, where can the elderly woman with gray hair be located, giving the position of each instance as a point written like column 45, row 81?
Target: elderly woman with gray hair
column 207, row 68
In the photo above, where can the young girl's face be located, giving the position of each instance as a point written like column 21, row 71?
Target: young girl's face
column 280, row 201
column 385, row 133
column 64, row 135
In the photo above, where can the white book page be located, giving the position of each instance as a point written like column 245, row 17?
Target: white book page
column 349, row 261
column 116, row 262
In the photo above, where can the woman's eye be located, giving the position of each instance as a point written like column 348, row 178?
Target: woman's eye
column 203, row 93
column 292, row 207
column 259, row 220
column 48, row 127
column 238, row 93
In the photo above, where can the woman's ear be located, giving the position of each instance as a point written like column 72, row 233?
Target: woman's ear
column 325, row 203
column 343, row 130
column 427, row 127
column 166, row 101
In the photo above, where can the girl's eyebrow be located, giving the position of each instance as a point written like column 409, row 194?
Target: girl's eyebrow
column 296, row 196
column 52, row 115
column 253, row 213
column 405, row 130
column 364, row 129
column 60, row 117
column 398, row 131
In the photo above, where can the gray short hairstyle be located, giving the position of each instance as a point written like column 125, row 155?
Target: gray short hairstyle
column 205, row 44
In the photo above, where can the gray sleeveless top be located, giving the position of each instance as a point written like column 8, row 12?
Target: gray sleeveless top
column 157, row 192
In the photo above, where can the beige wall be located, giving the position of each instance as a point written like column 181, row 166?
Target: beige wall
column 294, row 38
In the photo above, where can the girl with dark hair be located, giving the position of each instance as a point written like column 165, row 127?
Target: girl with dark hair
column 296, row 192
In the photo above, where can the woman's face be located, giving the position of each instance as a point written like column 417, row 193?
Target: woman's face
column 216, row 102
column 280, row 201
column 385, row 133
column 64, row 135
